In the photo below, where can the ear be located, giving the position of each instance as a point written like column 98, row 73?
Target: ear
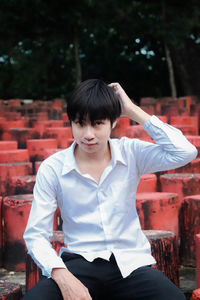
column 114, row 124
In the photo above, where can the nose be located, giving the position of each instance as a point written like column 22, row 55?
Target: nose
column 88, row 133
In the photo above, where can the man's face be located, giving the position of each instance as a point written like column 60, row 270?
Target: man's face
column 92, row 138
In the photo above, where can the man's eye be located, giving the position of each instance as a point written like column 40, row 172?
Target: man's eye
column 98, row 122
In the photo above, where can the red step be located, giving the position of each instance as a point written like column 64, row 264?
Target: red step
column 189, row 227
column 8, row 145
column 14, row 156
column 158, row 211
column 197, row 248
column 148, row 183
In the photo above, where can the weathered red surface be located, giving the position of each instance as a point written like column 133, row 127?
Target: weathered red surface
column 16, row 210
column 189, row 227
column 158, row 211
column 37, row 149
column 182, row 184
column 33, row 273
column 195, row 295
column 192, row 167
column 8, row 145
column 37, row 165
column 21, row 185
column 120, row 128
column 195, row 140
column 21, row 135
column 148, row 183
column 1, row 233
column 10, row 291
column 164, row 250
column 8, row 170
column 14, row 156
column 61, row 134
column 187, row 129
column 137, row 131
column 197, row 243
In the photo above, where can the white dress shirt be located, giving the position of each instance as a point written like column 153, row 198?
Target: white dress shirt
column 101, row 218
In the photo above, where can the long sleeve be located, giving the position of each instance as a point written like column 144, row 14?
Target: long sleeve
column 40, row 224
column 172, row 149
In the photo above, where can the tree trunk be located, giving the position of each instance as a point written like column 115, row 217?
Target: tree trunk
column 168, row 57
column 171, row 72
column 77, row 59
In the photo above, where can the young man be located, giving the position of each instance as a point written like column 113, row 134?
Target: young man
column 94, row 183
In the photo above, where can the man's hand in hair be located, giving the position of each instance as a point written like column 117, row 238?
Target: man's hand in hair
column 129, row 109
column 70, row 287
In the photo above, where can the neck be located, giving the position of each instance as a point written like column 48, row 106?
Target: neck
column 104, row 154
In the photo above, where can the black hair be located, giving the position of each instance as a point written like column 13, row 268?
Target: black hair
column 95, row 100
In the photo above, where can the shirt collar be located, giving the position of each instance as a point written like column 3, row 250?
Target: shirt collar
column 70, row 162
column 116, row 152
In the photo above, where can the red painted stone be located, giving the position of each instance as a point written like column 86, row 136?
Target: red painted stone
column 195, row 140
column 162, row 118
column 197, row 243
column 10, row 291
column 16, row 210
column 148, row 183
column 189, row 227
column 187, row 129
column 158, row 211
column 192, row 167
column 120, row 129
column 13, row 156
column 137, row 131
column 8, row 170
column 37, row 148
column 164, row 250
column 21, row 135
column 37, row 165
column 33, row 273
column 64, row 117
column 182, row 184
column 8, row 145
column 21, row 185
column 195, row 295
column 61, row 134
column 1, row 233
column 13, row 124
column 184, row 120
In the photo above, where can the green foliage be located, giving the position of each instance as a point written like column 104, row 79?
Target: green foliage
column 118, row 41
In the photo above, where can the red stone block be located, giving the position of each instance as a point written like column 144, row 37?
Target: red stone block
column 10, row 291
column 120, row 128
column 21, row 135
column 192, row 167
column 187, row 129
column 164, row 250
column 195, row 295
column 191, row 121
column 195, row 140
column 189, row 227
column 16, row 210
column 33, row 273
column 197, row 243
column 13, row 156
column 42, row 116
column 162, row 118
column 149, row 109
column 8, row 170
column 37, row 149
column 61, row 134
column 14, row 102
column 37, row 165
column 13, row 124
column 8, row 145
column 64, row 117
column 158, row 211
column 148, row 183
column 21, row 185
column 138, row 132
column 182, row 184
column 1, row 233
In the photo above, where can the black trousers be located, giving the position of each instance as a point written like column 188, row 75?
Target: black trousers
column 104, row 281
